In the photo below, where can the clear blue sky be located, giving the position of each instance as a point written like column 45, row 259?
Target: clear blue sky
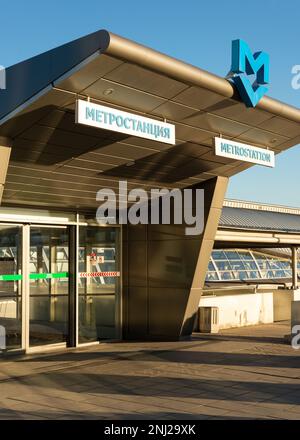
column 196, row 31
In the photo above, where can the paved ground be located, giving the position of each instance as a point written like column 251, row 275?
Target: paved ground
column 241, row 373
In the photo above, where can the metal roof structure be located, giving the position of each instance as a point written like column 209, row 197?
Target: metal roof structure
column 258, row 225
column 239, row 218
column 248, row 265
column 56, row 162
column 253, row 244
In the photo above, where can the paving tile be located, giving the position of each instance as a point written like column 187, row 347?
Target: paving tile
column 234, row 378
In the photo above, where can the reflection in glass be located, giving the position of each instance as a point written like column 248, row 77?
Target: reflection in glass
column 10, row 287
column 98, row 283
column 49, row 285
column 243, row 265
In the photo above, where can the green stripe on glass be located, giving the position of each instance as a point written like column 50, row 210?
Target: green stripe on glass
column 47, row 276
column 34, row 276
column 16, row 277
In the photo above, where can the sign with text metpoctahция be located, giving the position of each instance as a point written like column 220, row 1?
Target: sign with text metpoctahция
column 244, row 152
column 100, row 116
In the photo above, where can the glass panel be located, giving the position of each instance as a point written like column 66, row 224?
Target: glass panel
column 237, row 265
column 212, row 276
column 279, row 274
column 10, row 288
column 270, row 274
column 263, row 273
column 246, row 255
column 232, row 255
column 218, row 255
column 250, row 265
column 262, row 262
column 99, row 281
column 223, row 265
column 242, row 265
column 243, row 275
column 211, row 267
column 254, row 275
column 49, row 285
column 227, row 275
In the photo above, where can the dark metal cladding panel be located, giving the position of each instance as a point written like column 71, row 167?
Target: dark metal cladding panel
column 240, row 218
column 26, row 79
column 159, row 263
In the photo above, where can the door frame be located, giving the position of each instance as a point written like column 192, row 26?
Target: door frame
column 26, row 289
column 26, row 218
column 118, row 295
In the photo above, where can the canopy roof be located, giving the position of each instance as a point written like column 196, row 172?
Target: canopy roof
column 239, row 218
column 56, row 162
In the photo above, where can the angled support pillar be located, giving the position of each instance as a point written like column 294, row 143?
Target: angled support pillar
column 215, row 190
column 164, row 272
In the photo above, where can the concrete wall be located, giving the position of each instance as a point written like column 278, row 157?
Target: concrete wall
column 282, row 300
column 239, row 310
column 8, row 308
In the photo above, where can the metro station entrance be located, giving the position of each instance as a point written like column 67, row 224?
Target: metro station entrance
column 38, row 289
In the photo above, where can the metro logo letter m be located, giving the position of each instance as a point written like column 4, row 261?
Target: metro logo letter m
column 243, row 64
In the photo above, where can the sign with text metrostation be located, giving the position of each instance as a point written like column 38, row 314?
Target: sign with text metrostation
column 244, row 152
column 108, row 118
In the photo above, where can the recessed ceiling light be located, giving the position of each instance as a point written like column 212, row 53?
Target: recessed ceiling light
column 108, row 92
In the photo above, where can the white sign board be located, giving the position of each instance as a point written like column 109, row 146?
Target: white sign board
column 100, row 116
column 244, row 152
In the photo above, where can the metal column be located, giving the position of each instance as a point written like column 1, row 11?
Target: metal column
column 73, row 286
column 25, row 286
column 294, row 267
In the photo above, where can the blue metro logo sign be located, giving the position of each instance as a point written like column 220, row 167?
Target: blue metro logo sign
column 243, row 64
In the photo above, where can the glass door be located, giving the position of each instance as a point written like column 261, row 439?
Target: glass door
column 10, row 287
column 48, row 285
column 99, row 284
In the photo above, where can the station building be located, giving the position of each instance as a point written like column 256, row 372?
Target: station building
column 67, row 281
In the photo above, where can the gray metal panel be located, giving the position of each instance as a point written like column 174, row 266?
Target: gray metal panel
column 87, row 74
column 32, row 114
column 145, row 80
column 237, row 111
column 163, row 322
column 19, row 173
column 174, row 111
column 159, row 270
column 26, row 79
column 262, row 137
column 239, row 218
column 191, row 134
column 122, row 95
column 200, row 98
column 216, row 124
column 281, row 126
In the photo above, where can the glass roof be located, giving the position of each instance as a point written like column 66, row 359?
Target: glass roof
column 232, row 264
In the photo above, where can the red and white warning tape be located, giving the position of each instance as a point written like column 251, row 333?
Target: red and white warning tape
column 98, row 274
